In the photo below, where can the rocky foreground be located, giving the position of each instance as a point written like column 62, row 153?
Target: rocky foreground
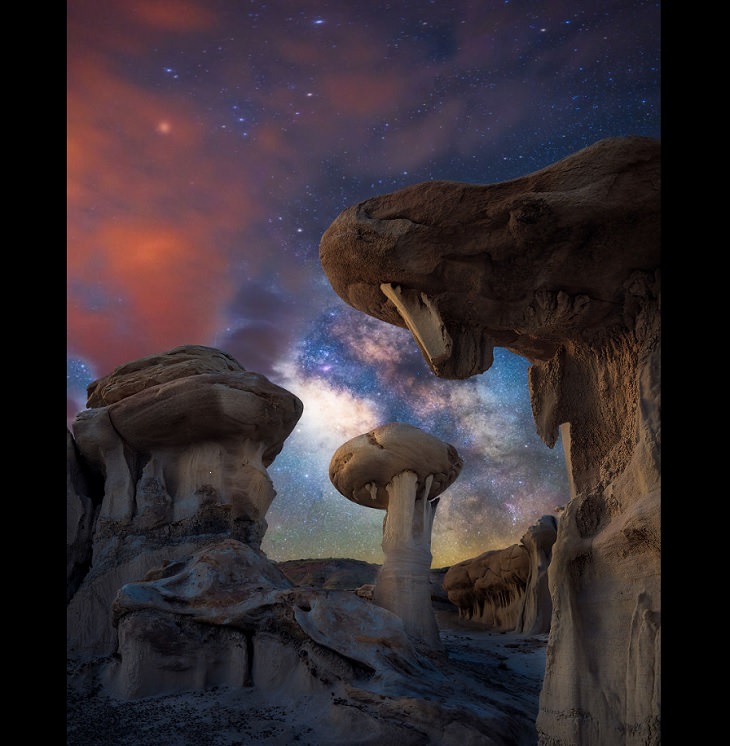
column 496, row 676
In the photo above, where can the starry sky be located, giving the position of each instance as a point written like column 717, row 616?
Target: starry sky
column 210, row 143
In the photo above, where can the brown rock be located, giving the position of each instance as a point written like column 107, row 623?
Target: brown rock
column 227, row 616
column 563, row 267
column 522, row 264
column 490, row 588
column 507, row 589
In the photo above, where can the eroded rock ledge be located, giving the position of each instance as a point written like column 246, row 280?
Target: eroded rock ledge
column 507, row 589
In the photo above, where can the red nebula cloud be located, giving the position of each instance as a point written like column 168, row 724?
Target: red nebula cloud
column 150, row 220
column 172, row 15
column 159, row 291
column 364, row 93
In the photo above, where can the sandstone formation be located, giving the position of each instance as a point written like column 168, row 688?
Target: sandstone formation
column 81, row 514
column 561, row 266
column 537, row 606
column 525, row 264
column 490, row 588
column 181, row 442
column 245, row 609
column 401, row 469
column 172, row 604
column 507, row 589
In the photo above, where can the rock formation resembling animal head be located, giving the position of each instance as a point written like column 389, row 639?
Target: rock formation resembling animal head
column 523, row 264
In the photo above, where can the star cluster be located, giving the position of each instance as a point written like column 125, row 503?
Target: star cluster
column 210, row 145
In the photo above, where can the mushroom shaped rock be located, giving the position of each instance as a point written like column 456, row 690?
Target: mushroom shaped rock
column 185, row 445
column 183, row 459
column 401, row 469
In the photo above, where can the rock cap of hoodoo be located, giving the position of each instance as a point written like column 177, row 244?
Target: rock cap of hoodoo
column 209, row 406
column 362, row 467
column 162, row 367
column 192, row 394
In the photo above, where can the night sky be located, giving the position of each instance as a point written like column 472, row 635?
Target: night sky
column 212, row 142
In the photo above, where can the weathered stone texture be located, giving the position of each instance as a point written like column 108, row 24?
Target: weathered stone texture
column 490, row 588
column 507, row 589
column 561, row 266
column 182, row 448
column 81, row 512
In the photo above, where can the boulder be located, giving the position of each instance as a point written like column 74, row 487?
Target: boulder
column 226, row 619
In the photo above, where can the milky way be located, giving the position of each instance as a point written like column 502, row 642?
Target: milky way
column 212, row 142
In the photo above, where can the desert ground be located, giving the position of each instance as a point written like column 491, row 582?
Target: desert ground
column 509, row 666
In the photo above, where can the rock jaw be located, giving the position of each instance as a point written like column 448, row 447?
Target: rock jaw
column 530, row 264
column 449, row 355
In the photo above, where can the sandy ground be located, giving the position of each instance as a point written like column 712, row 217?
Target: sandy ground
column 509, row 666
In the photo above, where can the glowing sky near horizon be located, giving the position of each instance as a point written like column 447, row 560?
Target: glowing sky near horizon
column 211, row 143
